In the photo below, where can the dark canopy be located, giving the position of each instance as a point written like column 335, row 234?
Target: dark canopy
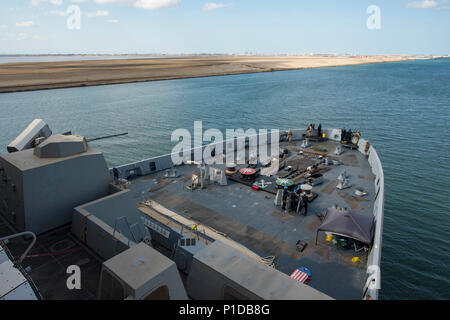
column 350, row 224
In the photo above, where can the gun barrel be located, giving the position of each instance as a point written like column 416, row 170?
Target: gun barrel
column 106, row 137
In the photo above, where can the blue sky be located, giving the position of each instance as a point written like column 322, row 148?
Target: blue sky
column 230, row 26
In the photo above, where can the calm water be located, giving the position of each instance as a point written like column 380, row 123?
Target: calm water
column 402, row 108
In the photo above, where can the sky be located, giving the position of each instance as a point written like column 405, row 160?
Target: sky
column 234, row 26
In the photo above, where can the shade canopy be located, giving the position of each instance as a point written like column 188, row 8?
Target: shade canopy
column 347, row 223
column 284, row 182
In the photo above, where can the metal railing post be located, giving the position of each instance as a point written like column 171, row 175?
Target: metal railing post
column 19, row 235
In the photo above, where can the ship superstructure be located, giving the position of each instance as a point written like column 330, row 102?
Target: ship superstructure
column 236, row 230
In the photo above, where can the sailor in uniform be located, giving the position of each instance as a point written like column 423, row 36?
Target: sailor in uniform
column 289, row 136
column 305, row 203
column 293, row 199
column 284, row 198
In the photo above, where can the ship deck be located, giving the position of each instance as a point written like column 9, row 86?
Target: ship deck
column 244, row 215
column 47, row 262
column 252, row 219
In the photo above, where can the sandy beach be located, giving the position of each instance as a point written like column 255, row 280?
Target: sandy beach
column 50, row 75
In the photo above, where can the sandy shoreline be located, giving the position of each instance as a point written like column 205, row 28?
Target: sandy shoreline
column 28, row 76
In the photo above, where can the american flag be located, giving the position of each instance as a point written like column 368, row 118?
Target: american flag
column 299, row 275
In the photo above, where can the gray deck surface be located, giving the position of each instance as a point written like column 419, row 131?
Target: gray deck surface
column 49, row 259
column 247, row 216
column 251, row 218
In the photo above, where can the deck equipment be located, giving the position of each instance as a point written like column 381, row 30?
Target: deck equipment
column 301, row 274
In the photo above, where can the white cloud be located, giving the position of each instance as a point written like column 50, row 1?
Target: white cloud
column 39, row 38
column 112, row 21
column 25, row 24
column 212, row 5
column 143, row 4
column 5, row 36
column 115, row 1
column 21, row 36
column 98, row 13
column 445, row 5
column 422, row 4
column 55, row 2
column 59, row 13
column 155, row 4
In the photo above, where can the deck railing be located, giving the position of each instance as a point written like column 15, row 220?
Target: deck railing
column 374, row 259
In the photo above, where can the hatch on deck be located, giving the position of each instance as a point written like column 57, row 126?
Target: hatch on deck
column 140, row 273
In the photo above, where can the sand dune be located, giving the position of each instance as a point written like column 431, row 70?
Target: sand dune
column 50, row 75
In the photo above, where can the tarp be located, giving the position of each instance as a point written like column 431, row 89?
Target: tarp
column 347, row 223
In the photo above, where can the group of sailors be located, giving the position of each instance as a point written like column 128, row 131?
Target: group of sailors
column 346, row 135
column 312, row 127
column 349, row 136
column 309, row 132
column 295, row 200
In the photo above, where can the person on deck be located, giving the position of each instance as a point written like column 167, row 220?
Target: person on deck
column 356, row 137
column 305, row 203
column 299, row 204
column 293, row 198
column 289, row 135
column 349, row 135
column 284, row 198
